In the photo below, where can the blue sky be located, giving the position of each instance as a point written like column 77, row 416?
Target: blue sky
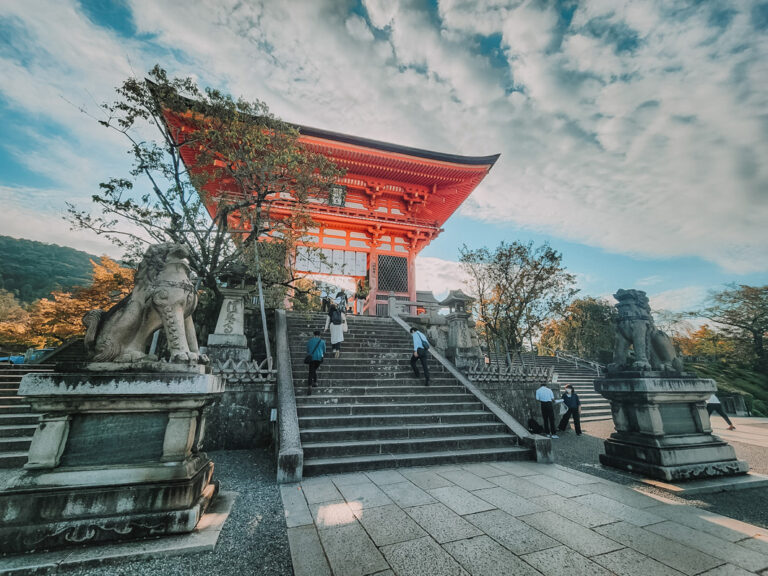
column 633, row 135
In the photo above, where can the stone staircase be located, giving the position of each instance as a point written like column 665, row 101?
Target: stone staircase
column 369, row 412
column 17, row 423
column 593, row 406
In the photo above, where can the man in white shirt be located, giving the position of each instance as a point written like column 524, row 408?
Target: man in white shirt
column 545, row 396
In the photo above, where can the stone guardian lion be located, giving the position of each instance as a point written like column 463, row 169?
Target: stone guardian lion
column 163, row 297
column 635, row 328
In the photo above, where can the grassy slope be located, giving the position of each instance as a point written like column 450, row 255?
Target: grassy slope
column 744, row 381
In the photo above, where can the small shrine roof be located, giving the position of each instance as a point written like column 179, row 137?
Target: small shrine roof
column 426, row 297
column 455, row 296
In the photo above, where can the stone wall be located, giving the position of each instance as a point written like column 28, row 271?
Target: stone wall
column 240, row 418
column 517, row 394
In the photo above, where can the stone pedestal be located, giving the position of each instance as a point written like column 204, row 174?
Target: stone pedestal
column 663, row 429
column 229, row 341
column 115, row 456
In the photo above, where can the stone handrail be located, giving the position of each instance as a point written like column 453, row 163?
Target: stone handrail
column 290, row 456
column 541, row 445
column 596, row 366
column 520, row 373
column 244, row 371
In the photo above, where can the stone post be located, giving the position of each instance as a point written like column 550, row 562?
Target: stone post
column 228, row 342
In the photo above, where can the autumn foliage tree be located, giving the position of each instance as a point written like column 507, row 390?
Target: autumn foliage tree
column 250, row 155
column 52, row 321
column 518, row 288
column 585, row 329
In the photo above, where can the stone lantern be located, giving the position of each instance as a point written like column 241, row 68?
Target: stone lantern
column 463, row 349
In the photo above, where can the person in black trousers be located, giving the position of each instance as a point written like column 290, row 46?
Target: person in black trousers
column 571, row 400
column 714, row 405
column 420, row 347
column 315, row 349
column 545, row 396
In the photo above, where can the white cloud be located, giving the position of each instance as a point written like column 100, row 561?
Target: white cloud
column 679, row 300
column 634, row 129
column 439, row 276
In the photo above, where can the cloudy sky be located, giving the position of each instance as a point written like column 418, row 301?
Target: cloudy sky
column 631, row 133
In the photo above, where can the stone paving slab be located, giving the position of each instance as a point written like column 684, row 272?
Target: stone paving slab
column 442, row 523
column 618, row 510
column 683, row 558
column 515, row 535
column 502, row 518
column 307, row 553
column 381, row 477
column 483, row 556
column 575, row 536
column 367, row 495
column 562, row 561
column 727, row 551
column 573, row 510
column 406, row 494
column 320, row 489
column 726, row 528
column 421, row 557
column 351, row 552
column 557, row 486
column 468, row 480
column 389, row 525
column 628, row 562
column 295, row 506
column 520, row 486
column 426, row 479
column 460, row 501
column 507, row 501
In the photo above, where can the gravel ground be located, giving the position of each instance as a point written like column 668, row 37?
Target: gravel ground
column 583, row 452
column 254, row 538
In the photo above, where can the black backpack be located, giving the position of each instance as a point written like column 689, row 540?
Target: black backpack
column 336, row 317
column 534, row 427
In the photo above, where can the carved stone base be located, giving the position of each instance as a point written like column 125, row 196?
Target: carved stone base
column 115, row 456
column 663, row 429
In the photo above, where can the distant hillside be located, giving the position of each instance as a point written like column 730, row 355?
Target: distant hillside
column 736, row 379
column 34, row 269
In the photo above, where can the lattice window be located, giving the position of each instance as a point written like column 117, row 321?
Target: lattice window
column 393, row 273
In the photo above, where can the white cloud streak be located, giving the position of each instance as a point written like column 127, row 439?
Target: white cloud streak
column 633, row 127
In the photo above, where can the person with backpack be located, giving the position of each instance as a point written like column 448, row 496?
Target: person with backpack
column 314, row 357
column 337, row 322
column 420, row 347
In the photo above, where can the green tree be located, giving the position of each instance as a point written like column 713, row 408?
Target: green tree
column 742, row 312
column 586, row 329
column 518, row 288
column 252, row 161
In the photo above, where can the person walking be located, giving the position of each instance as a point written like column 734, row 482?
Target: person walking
column 420, row 347
column 545, row 396
column 336, row 321
column 572, row 402
column 315, row 353
column 714, row 405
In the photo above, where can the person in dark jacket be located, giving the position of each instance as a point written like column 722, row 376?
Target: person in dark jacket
column 420, row 347
column 572, row 402
column 315, row 348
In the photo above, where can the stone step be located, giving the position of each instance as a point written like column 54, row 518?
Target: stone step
column 595, row 417
column 14, row 444
column 15, row 419
column 434, row 418
column 15, row 408
column 338, row 434
column 13, row 459
column 330, row 380
column 382, row 399
column 6, row 391
column 314, row 467
column 17, row 431
column 353, row 447
column 385, row 408
column 12, row 400
column 377, row 372
column 382, row 389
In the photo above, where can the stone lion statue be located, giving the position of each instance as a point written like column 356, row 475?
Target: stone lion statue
column 634, row 327
column 163, row 297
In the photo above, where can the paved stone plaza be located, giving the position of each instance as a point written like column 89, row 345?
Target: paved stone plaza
column 506, row 518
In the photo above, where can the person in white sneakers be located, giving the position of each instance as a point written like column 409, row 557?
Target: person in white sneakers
column 545, row 396
column 714, row 405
